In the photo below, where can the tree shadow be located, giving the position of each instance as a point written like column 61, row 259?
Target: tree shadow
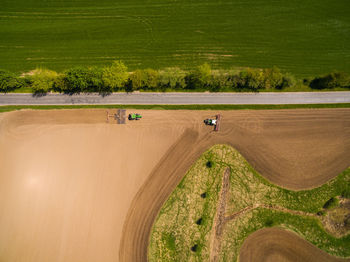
column 105, row 93
column 39, row 94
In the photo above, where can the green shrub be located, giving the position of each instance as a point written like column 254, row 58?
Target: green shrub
column 42, row 80
column 144, row 79
column 332, row 202
column 136, row 79
column 250, row 79
column 83, row 79
column 115, row 76
column 273, row 78
column 288, row 80
column 9, row 81
column 199, row 78
column 330, row 81
column 269, row 222
column 209, row 164
column 151, row 79
column 220, row 81
column 59, row 84
column 172, row 77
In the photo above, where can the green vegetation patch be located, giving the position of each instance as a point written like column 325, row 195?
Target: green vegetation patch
column 307, row 227
column 183, row 226
column 303, row 37
column 252, row 203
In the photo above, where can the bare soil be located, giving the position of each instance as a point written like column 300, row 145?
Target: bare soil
column 275, row 244
column 74, row 188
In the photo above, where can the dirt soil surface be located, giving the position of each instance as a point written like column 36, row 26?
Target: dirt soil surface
column 74, row 188
column 275, row 244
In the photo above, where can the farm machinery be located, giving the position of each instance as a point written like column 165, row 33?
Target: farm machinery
column 134, row 116
column 213, row 122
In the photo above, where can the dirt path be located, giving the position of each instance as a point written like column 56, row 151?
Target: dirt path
column 274, row 244
column 219, row 220
column 88, row 191
column 277, row 208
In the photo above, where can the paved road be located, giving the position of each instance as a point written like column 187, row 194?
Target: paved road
column 178, row 98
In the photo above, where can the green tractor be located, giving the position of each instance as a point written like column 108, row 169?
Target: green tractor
column 134, row 116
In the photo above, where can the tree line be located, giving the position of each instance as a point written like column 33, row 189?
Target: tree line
column 115, row 77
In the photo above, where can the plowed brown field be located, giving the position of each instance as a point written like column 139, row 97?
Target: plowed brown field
column 73, row 188
column 274, row 244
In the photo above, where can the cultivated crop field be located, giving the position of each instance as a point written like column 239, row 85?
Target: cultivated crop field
column 305, row 38
column 74, row 187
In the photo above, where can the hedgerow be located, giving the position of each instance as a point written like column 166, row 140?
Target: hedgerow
column 115, row 77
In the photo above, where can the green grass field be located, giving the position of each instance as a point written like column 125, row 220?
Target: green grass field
column 303, row 37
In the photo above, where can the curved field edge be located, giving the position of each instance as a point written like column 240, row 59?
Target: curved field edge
column 285, row 244
column 187, row 223
column 9, row 108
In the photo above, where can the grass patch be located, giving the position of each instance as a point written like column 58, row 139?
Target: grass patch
column 176, row 107
column 263, row 205
column 186, row 215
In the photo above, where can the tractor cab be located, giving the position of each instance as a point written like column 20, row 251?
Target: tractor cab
column 210, row 122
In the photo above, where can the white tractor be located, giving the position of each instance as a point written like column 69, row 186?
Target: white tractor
column 213, row 122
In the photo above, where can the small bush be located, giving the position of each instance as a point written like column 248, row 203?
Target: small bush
column 200, row 78
column 269, row 223
column 173, row 78
column 83, row 79
column 194, row 248
column 332, row 202
column 9, row 81
column 199, row 221
column 220, row 81
column 273, row 78
column 330, row 81
column 42, row 80
column 114, row 77
column 151, row 79
column 288, row 80
column 209, row 164
column 307, row 81
column 251, row 79
column 144, row 79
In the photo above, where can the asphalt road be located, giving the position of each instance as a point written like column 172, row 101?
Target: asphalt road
column 178, row 98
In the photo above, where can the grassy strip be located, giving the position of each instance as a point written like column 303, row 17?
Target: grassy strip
column 176, row 107
column 252, row 188
column 186, row 219
column 176, row 220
